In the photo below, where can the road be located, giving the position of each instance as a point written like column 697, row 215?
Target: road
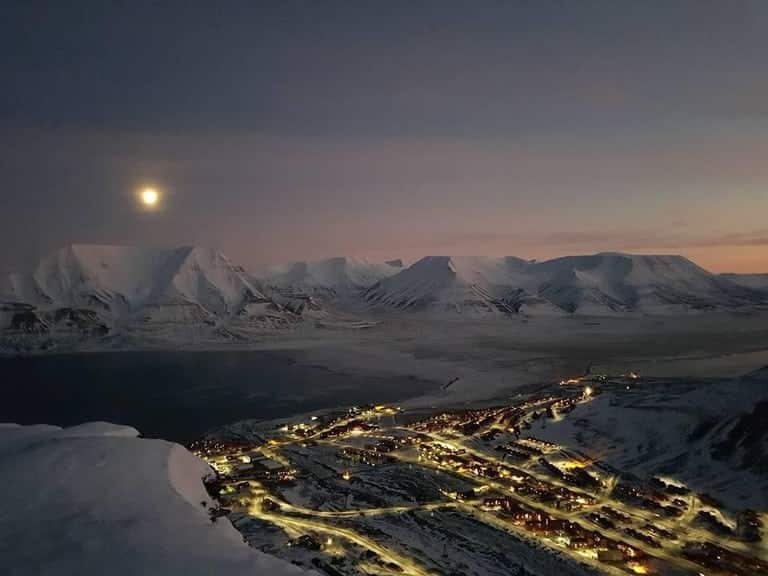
column 301, row 519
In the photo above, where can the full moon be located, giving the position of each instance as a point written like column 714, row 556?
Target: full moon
column 149, row 196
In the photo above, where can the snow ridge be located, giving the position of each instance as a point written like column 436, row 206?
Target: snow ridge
column 116, row 504
column 86, row 290
column 753, row 281
column 119, row 280
column 82, row 291
column 605, row 283
column 332, row 277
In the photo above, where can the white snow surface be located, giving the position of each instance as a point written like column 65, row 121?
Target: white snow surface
column 83, row 291
column 95, row 499
column 339, row 276
column 122, row 279
column 606, row 283
column 754, row 281
column 700, row 433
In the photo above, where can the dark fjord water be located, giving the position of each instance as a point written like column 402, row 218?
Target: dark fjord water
column 180, row 395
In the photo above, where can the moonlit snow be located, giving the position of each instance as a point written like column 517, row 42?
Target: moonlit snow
column 128, row 297
column 96, row 499
column 601, row 284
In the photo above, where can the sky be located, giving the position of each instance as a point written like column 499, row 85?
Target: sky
column 289, row 130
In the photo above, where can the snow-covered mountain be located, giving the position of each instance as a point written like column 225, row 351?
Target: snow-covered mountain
column 192, row 293
column 311, row 288
column 621, row 282
column 753, row 281
column 332, row 277
column 461, row 284
column 119, row 279
column 606, row 283
column 102, row 286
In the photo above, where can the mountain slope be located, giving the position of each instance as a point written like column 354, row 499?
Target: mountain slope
column 99, row 500
column 620, row 282
column 606, row 283
column 331, row 277
column 472, row 285
column 753, row 281
column 87, row 289
column 121, row 279
column 322, row 288
column 710, row 434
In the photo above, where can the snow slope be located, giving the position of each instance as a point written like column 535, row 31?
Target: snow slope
column 95, row 499
column 606, row 283
column 754, row 281
column 474, row 285
column 93, row 289
column 623, row 281
column 332, row 277
column 710, row 434
column 128, row 295
column 123, row 278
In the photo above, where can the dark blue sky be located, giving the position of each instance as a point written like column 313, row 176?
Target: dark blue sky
column 300, row 129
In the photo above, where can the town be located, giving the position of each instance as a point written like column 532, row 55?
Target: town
column 365, row 469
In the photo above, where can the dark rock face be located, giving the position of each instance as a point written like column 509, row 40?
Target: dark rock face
column 82, row 319
column 29, row 321
column 747, row 440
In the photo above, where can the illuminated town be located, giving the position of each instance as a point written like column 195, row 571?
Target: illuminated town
column 378, row 490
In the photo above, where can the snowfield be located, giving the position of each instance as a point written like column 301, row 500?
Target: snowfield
column 95, row 499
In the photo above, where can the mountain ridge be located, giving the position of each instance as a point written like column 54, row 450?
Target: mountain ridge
column 757, row 281
column 93, row 289
column 97, row 288
column 606, row 282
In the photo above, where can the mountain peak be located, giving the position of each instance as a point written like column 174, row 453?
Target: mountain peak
column 123, row 279
column 607, row 282
column 118, row 279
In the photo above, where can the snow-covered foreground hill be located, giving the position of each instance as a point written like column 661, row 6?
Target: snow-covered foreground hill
column 94, row 499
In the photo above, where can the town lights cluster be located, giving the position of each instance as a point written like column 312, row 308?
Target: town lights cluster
column 519, row 482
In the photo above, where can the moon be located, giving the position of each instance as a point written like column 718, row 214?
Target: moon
column 149, row 197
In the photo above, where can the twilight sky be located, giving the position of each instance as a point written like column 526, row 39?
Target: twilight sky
column 285, row 130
